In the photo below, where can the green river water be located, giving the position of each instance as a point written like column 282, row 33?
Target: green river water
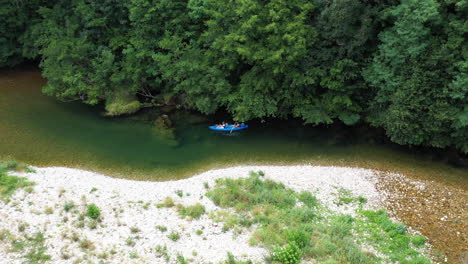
column 42, row 131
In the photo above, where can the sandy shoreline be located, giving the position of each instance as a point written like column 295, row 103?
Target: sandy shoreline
column 126, row 204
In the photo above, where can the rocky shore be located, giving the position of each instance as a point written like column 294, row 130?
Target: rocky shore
column 135, row 228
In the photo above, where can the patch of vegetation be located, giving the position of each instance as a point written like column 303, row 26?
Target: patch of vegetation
column 37, row 250
column 161, row 251
column 92, row 211
column 174, row 236
column 68, row 206
column 49, row 210
column 199, row 232
column 294, row 225
column 86, row 244
column 134, row 229
column 391, row 238
column 193, row 211
column 161, row 228
column 130, row 242
column 179, row 193
column 231, row 259
column 345, row 196
column 9, row 184
column 168, row 202
column 288, row 254
column 133, row 255
column 181, row 259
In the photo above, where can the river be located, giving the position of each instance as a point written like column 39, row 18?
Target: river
column 42, row 131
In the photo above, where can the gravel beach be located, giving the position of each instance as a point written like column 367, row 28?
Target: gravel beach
column 128, row 233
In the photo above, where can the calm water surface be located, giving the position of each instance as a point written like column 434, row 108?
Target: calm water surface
column 42, row 131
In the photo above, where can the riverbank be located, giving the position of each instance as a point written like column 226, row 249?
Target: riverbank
column 140, row 222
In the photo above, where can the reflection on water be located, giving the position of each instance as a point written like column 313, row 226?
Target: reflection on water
column 42, row 131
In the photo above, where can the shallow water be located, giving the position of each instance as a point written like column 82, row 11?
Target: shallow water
column 42, row 131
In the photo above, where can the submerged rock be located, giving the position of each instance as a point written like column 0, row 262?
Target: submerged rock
column 163, row 129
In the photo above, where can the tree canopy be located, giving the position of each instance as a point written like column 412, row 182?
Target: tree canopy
column 398, row 65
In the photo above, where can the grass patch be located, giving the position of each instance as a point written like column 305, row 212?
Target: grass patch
column 161, row 228
column 168, row 202
column 193, row 211
column 68, row 206
column 36, row 252
column 174, row 236
column 295, row 226
column 9, row 184
column 391, row 238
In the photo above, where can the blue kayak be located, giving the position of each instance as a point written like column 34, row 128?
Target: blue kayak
column 228, row 128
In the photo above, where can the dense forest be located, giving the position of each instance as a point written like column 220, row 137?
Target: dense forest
column 397, row 65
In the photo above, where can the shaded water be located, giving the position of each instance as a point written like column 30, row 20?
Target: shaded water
column 41, row 131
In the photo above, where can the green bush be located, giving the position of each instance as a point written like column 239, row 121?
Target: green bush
column 194, row 211
column 298, row 237
column 92, row 211
column 68, row 206
column 174, row 236
column 289, row 254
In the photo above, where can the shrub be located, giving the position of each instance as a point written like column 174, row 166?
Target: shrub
column 174, row 236
column 168, row 202
column 134, row 230
column 87, row 244
column 92, row 211
column 194, row 211
column 298, row 237
column 133, row 255
column 68, row 206
column 181, row 259
column 289, row 254
column 49, row 210
column 161, row 228
column 199, row 232
column 179, row 193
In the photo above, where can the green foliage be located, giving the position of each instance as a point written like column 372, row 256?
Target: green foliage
column 8, row 184
column 121, row 104
column 416, row 72
column 397, row 65
column 418, row 241
column 36, row 249
column 284, row 225
column 391, row 238
column 289, row 254
column 92, row 211
column 231, row 259
column 168, row 202
column 193, row 211
column 68, row 206
column 181, row 260
column 174, row 236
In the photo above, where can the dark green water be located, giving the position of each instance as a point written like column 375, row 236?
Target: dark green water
column 44, row 132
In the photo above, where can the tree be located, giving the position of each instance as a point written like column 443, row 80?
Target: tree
column 418, row 73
